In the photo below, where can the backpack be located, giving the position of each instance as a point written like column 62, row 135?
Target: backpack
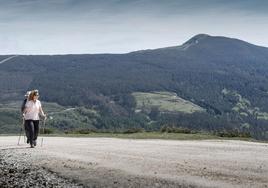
column 25, row 101
column 23, row 105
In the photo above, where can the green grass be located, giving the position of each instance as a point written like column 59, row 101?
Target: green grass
column 10, row 115
column 52, row 107
column 165, row 101
column 59, row 117
column 151, row 135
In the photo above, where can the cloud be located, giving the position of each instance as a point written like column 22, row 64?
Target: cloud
column 118, row 26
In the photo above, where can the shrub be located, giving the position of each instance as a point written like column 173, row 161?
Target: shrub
column 233, row 133
column 173, row 129
column 47, row 131
column 133, row 130
column 81, row 131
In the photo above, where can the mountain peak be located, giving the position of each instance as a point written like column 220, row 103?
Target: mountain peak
column 200, row 36
column 194, row 40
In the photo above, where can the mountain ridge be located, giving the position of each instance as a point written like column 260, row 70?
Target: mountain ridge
column 199, row 73
column 196, row 37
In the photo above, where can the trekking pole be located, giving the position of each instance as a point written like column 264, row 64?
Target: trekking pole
column 24, row 135
column 21, row 131
column 44, row 124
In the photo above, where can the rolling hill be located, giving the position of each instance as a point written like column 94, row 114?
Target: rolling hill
column 226, row 77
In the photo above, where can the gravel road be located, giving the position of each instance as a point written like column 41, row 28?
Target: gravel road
column 111, row 162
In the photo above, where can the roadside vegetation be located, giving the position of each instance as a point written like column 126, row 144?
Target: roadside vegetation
column 150, row 122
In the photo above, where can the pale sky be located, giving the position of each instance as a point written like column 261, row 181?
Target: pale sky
column 120, row 26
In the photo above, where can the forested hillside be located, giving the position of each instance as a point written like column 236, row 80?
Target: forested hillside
column 228, row 78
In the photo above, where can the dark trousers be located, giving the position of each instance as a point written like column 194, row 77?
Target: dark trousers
column 32, row 127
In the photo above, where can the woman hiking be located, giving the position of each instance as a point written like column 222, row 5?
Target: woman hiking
column 33, row 109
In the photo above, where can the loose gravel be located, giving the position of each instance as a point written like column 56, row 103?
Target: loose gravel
column 17, row 171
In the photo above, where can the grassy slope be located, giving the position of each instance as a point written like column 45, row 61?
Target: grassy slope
column 58, row 117
column 165, row 101
column 10, row 120
column 9, row 113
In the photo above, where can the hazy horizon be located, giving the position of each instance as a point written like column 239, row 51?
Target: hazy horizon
column 121, row 26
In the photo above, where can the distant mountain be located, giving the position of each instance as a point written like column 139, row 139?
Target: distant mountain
column 225, row 76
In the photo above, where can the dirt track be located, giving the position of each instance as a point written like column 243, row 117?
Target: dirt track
column 109, row 162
